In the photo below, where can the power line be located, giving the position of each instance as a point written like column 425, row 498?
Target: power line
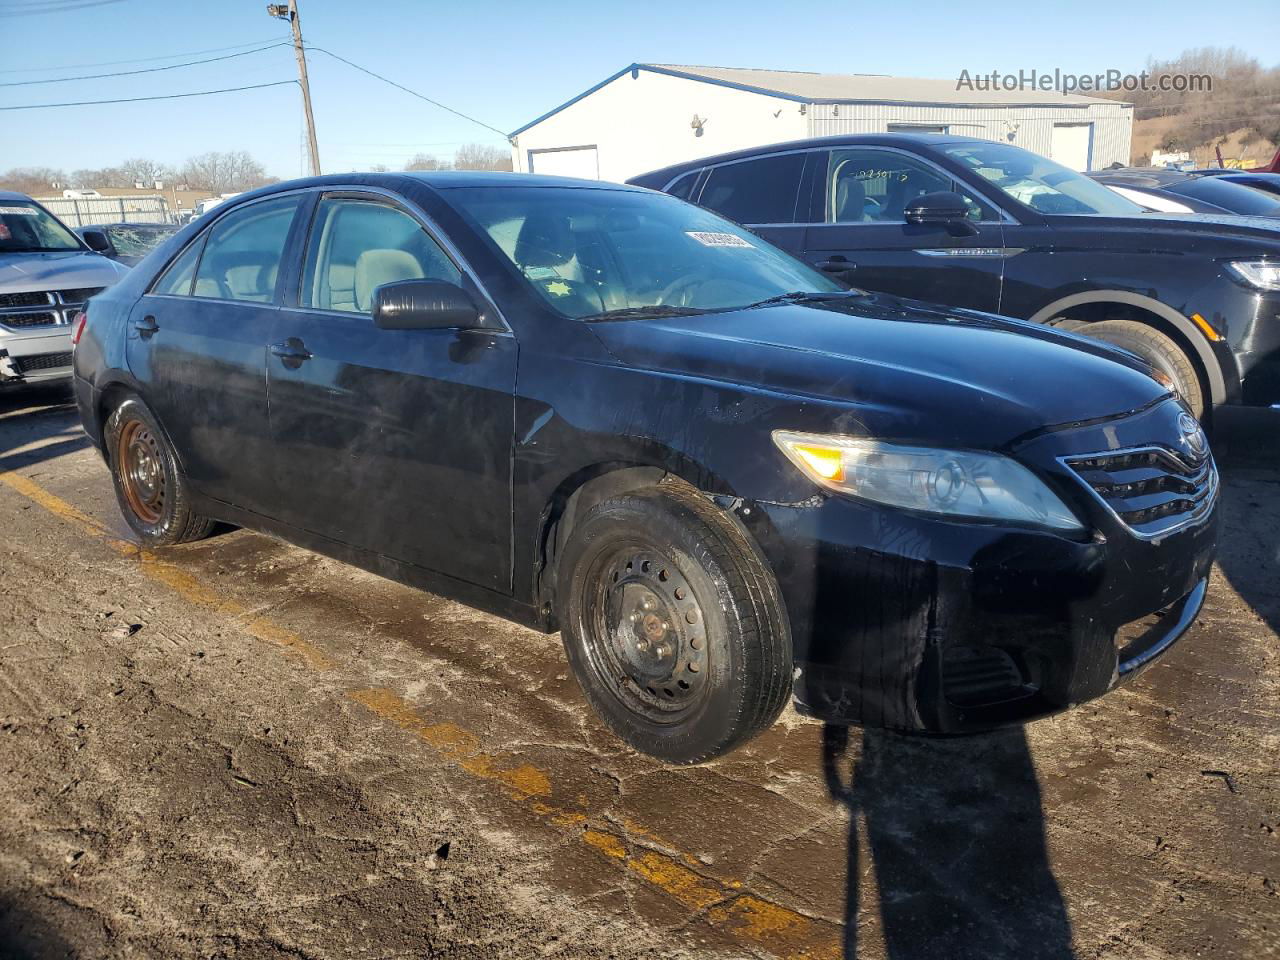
column 114, row 63
column 167, row 96
column 129, row 73
column 412, row 93
column 66, row 7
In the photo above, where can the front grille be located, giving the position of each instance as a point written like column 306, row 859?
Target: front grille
column 1153, row 491
column 42, row 361
column 79, row 295
column 28, row 319
column 32, row 299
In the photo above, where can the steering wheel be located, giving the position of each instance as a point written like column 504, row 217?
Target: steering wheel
column 675, row 293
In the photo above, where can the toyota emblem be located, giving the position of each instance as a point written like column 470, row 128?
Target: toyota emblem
column 1193, row 437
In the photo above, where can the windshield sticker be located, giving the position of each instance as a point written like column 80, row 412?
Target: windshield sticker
column 558, row 288
column 718, row 239
column 19, row 211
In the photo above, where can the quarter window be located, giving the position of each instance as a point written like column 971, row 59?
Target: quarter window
column 241, row 258
column 358, row 245
column 755, row 191
column 874, row 186
column 176, row 280
column 684, row 186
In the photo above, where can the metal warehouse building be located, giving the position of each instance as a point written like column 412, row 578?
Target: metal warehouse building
column 651, row 115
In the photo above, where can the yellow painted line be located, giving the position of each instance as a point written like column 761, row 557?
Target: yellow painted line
column 171, row 576
column 779, row 930
column 761, row 924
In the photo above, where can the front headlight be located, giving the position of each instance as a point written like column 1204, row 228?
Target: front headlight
column 955, row 483
column 1259, row 274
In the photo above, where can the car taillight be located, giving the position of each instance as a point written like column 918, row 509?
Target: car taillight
column 78, row 322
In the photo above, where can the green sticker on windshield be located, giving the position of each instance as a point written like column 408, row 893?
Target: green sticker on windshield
column 718, row 239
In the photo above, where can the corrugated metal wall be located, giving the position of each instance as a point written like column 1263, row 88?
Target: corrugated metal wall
column 1028, row 127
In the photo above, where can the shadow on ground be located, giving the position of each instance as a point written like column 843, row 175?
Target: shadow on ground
column 28, row 935
column 955, row 833
column 1246, row 443
column 40, row 415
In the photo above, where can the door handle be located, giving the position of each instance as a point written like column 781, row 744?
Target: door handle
column 291, row 350
column 146, row 326
column 837, row 264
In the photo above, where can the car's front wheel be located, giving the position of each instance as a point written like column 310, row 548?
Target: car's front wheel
column 148, row 479
column 673, row 624
column 1158, row 350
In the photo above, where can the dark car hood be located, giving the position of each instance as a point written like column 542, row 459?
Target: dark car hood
column 908, row 370
column 22, row 272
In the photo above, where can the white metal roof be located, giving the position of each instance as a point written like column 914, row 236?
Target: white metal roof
column 863, row 87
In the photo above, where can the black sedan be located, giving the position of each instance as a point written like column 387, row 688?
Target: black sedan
column 603, row 410
column 126, row 242
column 1173, row 191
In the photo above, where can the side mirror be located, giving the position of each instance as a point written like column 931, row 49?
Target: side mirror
column 97, row 240
column 943, row 208
column 425, row 305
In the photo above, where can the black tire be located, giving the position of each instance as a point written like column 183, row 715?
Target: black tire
column 150, row 486
column 1159, row 351
column 698, row 587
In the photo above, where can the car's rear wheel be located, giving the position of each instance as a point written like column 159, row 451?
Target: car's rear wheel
column 149, row 483
column 673, row 624
column 1158, row 350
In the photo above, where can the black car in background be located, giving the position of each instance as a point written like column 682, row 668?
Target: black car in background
column 127, row 243
column 600, row 409
column 1173, row 191
column 1258, row 180
column 985, row 225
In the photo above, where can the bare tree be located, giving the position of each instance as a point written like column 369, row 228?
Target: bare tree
column 220, row 172
column 33, row 181
column 482, row 156
column 141, row 170
column 426, row 161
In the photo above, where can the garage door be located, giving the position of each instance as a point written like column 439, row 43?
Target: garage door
column 566, row 162
column 1071, row 144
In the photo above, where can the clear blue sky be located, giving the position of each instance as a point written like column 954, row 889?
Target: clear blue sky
column 506, row 63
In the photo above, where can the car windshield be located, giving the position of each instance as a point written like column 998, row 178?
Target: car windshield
column 26, row 227
column 1232, row 196
column 131, row 241
column 594, row 253
column 1040, row 184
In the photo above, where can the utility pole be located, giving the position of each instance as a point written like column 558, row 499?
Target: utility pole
column 290, row 12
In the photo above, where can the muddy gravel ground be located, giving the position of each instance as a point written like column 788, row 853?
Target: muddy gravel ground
column 240, row 749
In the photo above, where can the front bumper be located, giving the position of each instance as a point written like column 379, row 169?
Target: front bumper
column 31, row 357
column 916, row 623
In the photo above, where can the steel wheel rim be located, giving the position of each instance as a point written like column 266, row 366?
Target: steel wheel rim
column 646, row 633
column 140, row 466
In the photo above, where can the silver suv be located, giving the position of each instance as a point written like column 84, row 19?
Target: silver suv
column 46, row 275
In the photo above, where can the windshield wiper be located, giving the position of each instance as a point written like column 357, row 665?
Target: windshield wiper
column 805, row 296
column 653, row 310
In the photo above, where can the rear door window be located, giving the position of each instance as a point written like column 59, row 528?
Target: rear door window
column 241, row 258
column 757, row 191
column 176, row 280
column 358, row 245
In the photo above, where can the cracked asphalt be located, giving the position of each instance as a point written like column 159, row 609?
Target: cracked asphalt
column 239, row 749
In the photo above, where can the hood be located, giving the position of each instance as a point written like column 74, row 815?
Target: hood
column 905, row 370
column 22, row 272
